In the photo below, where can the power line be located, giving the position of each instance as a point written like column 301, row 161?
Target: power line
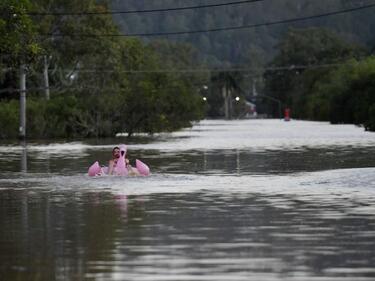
column 143, row 11
column 201, row 70
column 189, row 71
column 344, row 11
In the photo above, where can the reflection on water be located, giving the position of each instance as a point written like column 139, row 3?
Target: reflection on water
column 210, row 236
column 24, row 158
column 234, row 204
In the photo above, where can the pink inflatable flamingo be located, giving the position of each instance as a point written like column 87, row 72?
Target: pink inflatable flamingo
column 121, row 168
column 94, row 169
column 142, row 168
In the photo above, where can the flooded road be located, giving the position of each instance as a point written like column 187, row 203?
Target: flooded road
column 227, row 200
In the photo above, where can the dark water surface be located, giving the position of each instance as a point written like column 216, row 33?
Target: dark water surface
column 278, row 204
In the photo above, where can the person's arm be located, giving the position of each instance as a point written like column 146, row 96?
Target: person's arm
column 110, row 167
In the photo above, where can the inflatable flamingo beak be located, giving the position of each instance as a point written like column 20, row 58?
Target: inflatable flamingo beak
column 123, row 150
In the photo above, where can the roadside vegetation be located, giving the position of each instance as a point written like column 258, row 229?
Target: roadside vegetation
column 103, row 85
column 99, row 86
column 329, row 79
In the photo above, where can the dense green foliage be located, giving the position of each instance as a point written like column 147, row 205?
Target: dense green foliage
column 346, row 95
column 92, row 91
column 103, row 85
column 336, row 82
column 17, row 40
column 309, row 54
column 293, row 45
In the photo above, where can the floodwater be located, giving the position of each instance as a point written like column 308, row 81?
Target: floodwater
column 227, row 200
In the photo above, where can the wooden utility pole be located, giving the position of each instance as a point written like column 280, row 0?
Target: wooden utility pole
column 230, row 105
column 254, row 88
column 22, row 129
column 24, row 157
column 226, row 107
column 46, row 80
column 227, row 95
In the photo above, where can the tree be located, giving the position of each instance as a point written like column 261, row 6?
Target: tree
column 18, row 42
column 305, row 56
column 18, row 38
column 101, row 85
column 346, row 94
column 71, row 42
column 223, row 88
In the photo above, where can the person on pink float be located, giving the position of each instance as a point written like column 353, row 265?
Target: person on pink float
column 113, row 163
column 119, row 165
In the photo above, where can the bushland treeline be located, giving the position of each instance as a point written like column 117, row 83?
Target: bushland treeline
column 103, row 85
column 99, row 85
column 315, row 73
column 239, row 46
column 318, row 72
column 327, row 78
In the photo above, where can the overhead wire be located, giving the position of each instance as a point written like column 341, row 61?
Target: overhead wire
column 221, row 29
column 213, row 69
column 200, row 70
column 142, row 11
column 231, row 28
column 295, row 68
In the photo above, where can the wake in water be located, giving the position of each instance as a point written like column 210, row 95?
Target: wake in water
column 342, row 181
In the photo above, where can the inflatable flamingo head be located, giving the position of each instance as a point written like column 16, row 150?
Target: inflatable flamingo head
column 121, row 169
column 123, row 150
